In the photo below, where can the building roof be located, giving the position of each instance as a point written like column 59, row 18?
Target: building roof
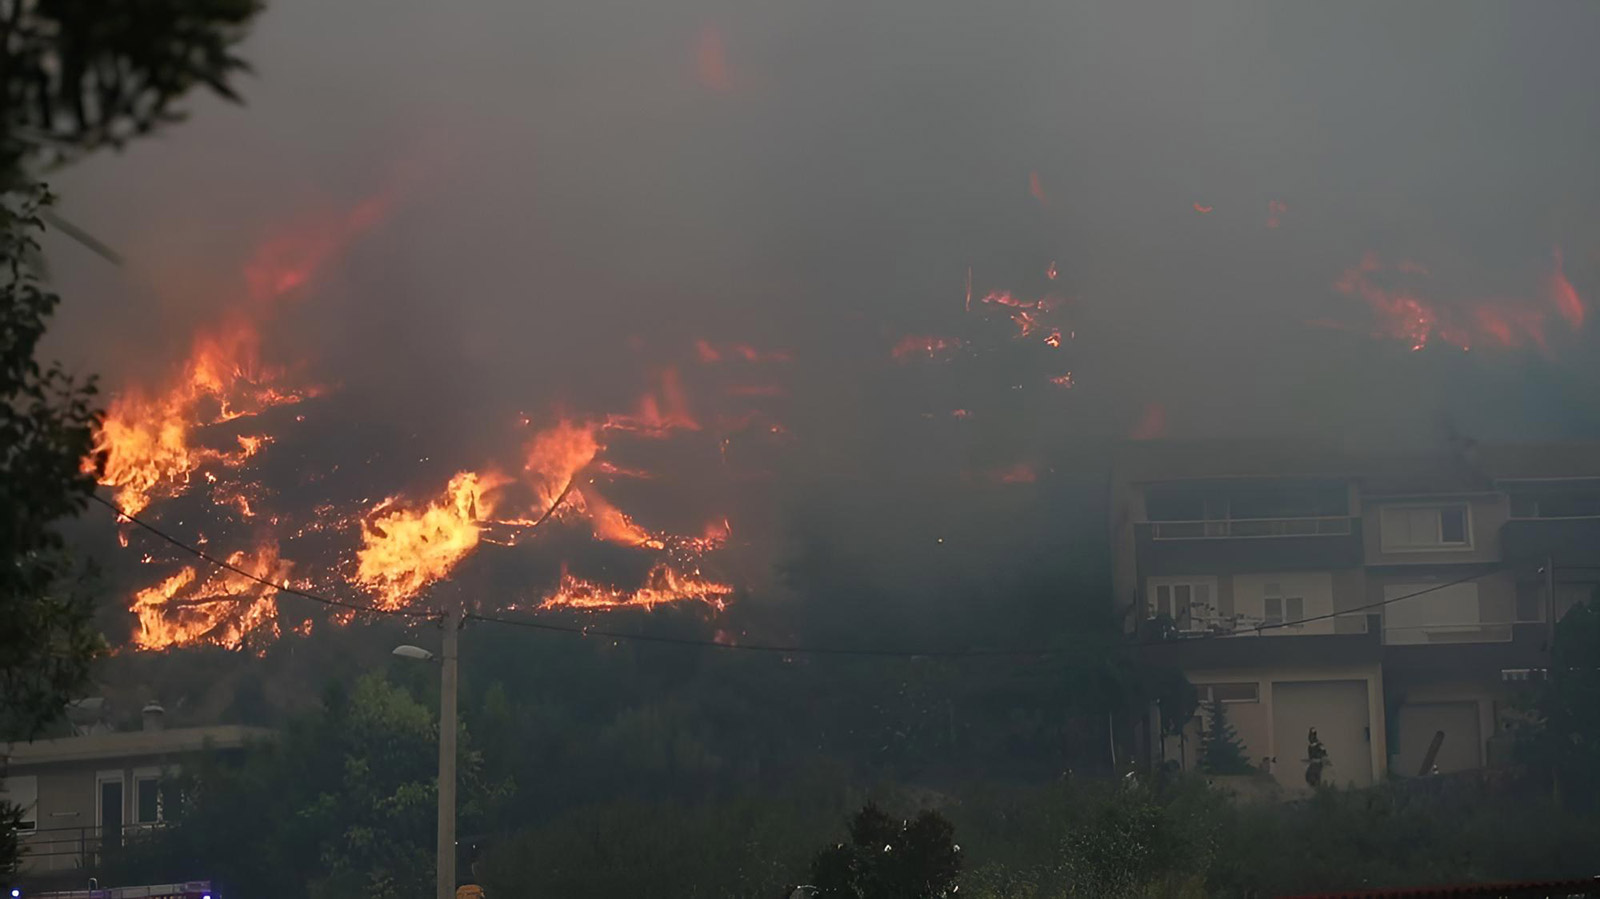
column 1465, row 467
column 131, row 744
column 1540, row 461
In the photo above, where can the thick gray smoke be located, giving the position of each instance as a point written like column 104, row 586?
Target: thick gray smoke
column 583, row 190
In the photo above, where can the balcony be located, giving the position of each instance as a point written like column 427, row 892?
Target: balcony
column 1352, row 639
column 1225, row 545
column 75, row 849
column 1213, row 529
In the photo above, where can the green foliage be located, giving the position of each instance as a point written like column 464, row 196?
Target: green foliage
column 1183, row 839
column 1095, row 839
column 734, row 849
column 1563, row 740
column 80, row 74
column 47, row 636
column 46, row 429
column 342, row 805
column 1221, row 750
column 889, row 859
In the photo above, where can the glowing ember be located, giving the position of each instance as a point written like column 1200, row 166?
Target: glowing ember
column 1202, row 209
column 660, row 412
column 225, row 608
column 711, row 61
column 1565, row 297
column 1063, row 381
column 1152, row 423
column 1020, row 473
column 1036, row 188
column 926, row 347
column 1051, row 272
column 1394, row 294
column 404, row 550
column 1275, row 211
column 662, row 586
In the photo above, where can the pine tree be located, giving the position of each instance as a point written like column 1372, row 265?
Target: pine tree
column 1221, row 750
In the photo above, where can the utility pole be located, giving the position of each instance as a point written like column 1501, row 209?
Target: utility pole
column 447, row 755
column 1550, row 672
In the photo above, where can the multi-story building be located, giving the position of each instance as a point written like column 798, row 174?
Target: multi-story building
column 1384, row 600
column 89, row 793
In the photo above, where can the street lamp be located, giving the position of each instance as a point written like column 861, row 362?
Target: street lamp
column 446, row 865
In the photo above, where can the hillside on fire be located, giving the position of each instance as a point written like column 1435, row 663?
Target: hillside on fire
column 798, row 451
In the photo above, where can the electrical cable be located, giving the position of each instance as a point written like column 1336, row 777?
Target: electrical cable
column 229, row 566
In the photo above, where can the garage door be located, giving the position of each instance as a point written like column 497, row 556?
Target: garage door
column 1338, row 710
column 1462, row 749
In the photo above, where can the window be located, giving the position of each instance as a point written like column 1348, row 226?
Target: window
column 147, row 800
column 1247, row 691
column 22, row 792
column 1189, row 602
column 1285, row 604
column 1415, row 528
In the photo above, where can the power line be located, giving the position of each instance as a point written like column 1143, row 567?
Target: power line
column 229, row 566
column 767, row 647
column 1371, row 605
column 746, row 647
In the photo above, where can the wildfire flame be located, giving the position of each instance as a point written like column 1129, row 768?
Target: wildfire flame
column 1394, row 295
column 919, row 346
column 225, row 608
column 664, row 584
column 404, row 550
column 146, row 446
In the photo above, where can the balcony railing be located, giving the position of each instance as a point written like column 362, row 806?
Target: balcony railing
column 76, row 848
column 1224, row 528
column 1212, row 625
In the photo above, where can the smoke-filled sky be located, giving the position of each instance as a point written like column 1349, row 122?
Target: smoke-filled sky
column 574, row 193
column 820, row 176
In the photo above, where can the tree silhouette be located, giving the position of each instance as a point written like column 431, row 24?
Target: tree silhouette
column 1221, row 750
column 81, row 74
column 888, row 859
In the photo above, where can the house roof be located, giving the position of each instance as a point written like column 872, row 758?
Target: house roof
column 130, row 744
column 1466, row 467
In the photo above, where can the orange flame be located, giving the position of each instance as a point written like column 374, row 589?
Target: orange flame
column 1403, row 313
column 658, row 416
column 1565, row 297
column 1275, row 211
column 225, row 609
column 711, row 61
column 146, row 442
column 663, row 585
column 404, row 550
column 917, row 346
column 1020, row 473
column 1152, row 423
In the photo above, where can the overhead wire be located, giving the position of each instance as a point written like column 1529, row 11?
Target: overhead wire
column 250, row 575
column 782, row 649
